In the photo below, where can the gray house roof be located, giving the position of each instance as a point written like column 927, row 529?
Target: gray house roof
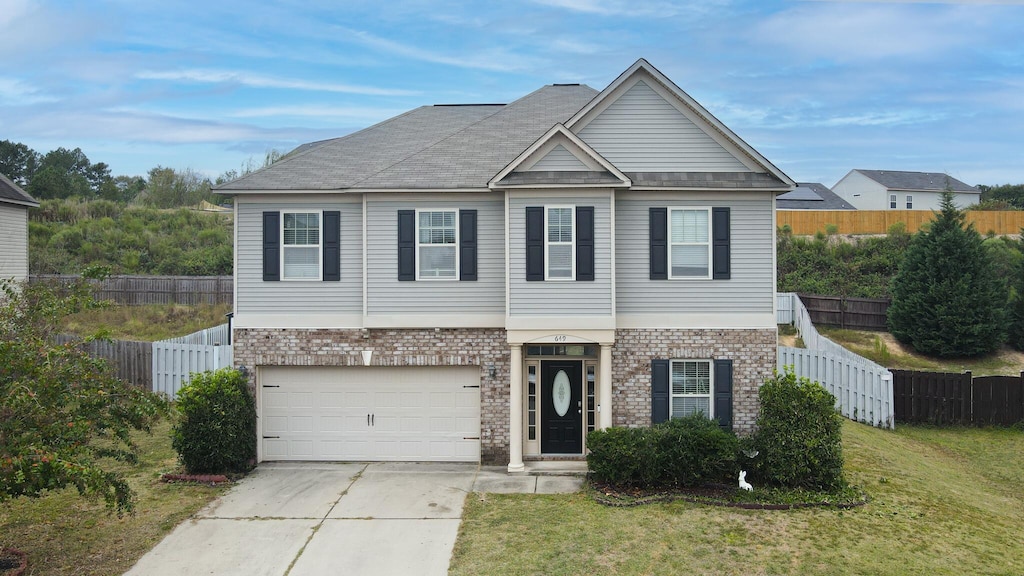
column 11, row 193
column 436, row 147
column 922, row 181
column 812, row 196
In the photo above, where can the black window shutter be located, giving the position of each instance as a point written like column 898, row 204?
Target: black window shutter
column 467, row 244
column 659, row 243
column 271, row 246
column 406, row 245
column 584, row 242
column 723, row 393
column 659, row 391
column 534, row 243
column 720, row 244
column 332, row 246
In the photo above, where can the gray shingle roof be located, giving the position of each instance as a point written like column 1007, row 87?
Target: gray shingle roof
column 11, row 193
column 437, row 147
column 559, row 177
column 812, row 196
column 705, row 180
column 932, row 181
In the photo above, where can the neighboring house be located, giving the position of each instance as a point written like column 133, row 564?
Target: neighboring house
column 14, row 205
column 895, row 190
column 811, row 196
column 490, row 282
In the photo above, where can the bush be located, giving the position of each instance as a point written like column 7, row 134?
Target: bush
column 681, row 452
column 217, row 429
column 799, row 435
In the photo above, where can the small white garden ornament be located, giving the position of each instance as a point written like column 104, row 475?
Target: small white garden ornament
column 743, row 482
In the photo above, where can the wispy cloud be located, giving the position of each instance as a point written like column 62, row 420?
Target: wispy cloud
column 494, row 59
column 16, row 92
column 204, row 76
column 319, row 111
column 627, row 8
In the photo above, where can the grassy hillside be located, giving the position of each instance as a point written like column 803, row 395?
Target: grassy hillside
column 65, row 236
column 944, row 501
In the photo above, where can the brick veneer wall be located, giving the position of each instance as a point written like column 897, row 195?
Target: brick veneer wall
column 753, row 353
column 406, row 347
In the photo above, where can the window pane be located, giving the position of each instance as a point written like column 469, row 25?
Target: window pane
column 301, row 262
column 686, row 406
column 690, row 260
column 437, row 261
column 437, row 228
column 560, row 225
column 689, row 226
column 560, row 261
column 301, row 229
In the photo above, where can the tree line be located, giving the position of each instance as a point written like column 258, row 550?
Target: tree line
column 64, row 173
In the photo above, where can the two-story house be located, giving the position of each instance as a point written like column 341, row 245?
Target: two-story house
column 902, row 190
column 491, row 282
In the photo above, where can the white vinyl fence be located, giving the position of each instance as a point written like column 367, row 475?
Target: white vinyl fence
column 176, row 359
column 863, row 389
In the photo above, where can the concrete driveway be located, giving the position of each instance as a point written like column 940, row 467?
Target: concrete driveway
column 310, row 519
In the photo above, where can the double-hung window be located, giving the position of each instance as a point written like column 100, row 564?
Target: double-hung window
column 437, row 245
column 689, row 243
column 300, row 246
column 910, row 202
column 892, row 201
column 561, row 251
column 690, row 388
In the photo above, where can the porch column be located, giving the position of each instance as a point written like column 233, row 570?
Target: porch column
column 605, row 421
column 515, row 411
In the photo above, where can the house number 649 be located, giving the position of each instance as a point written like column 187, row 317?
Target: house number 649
column 560, row 338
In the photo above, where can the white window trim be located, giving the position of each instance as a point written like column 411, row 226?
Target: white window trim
column 572, row 248
column 910, row 202
column 711, row 385
column 454, row 278
column 319, row 248
column 892, row 201
column 709, row 242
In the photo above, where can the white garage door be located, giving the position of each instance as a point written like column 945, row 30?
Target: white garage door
column 371, row 413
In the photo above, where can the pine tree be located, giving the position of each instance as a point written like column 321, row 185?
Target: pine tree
column 1016, row 331
column 947, row 300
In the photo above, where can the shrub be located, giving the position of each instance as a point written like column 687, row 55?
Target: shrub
column 217, row 429
column 799, row 435
column 681, row 452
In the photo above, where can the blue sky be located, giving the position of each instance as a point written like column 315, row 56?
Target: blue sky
column 817, row 87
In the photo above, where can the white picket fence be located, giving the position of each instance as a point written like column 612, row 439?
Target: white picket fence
column 863, row 389
column 176, row 359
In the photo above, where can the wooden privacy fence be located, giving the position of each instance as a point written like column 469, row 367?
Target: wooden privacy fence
column 130, row 360
column 856, row 313
column 945, row 398
column 808, row 222
column 175, row 360
column 863, row 389
column 139, row 290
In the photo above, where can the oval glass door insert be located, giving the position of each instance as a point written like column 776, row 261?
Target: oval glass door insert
column 561, row 394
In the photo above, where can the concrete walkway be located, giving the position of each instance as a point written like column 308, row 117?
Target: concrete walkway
column 307, row 519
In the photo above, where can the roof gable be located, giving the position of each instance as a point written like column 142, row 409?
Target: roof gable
column 11, row 193
column 666, row 120
column 559, row 157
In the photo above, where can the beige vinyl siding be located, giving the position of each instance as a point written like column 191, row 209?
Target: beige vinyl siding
column 297, row 297
column 642, row 132
column 559, row 159
column 560, row 297
column 750, row 290
column 387, row 296
column 13, row 242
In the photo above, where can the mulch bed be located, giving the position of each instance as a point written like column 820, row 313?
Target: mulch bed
column 13, row 562
column 711, row 494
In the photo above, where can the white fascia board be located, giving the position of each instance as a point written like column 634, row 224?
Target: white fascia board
column 560, row 323
column 559, row 132
column 732, row 321
column 434, row 321
column 297, row 321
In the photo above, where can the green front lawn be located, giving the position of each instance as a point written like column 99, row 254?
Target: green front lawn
column 944, row 501
column 66, row 534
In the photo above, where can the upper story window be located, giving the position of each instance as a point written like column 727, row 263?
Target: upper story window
column 561, row 252
column 689, row 243
column 300, row 246
column 892, row 201
column 910, row 202
column 691, row 388
column 437, row 244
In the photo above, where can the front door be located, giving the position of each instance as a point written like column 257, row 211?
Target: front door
column 561, row 401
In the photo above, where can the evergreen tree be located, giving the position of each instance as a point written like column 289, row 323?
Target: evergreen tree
column 947, row 299
column 1016, row 332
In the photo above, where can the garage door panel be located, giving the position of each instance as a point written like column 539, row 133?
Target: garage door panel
column 419, row 413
